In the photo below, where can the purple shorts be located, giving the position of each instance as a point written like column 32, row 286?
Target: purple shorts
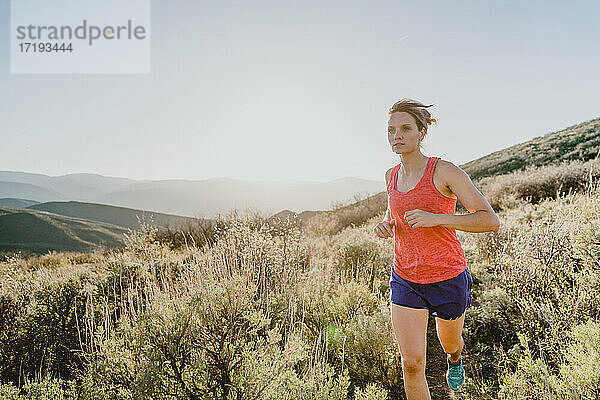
column 446, row 299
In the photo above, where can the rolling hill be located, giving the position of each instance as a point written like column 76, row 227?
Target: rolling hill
column 28, row 191
column 119, row 216
column 40, row 231
column 577, row 142
column 14, row 202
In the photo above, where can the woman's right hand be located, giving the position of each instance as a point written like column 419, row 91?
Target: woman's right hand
column 385, row 229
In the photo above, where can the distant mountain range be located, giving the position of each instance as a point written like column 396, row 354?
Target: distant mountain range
column 202, row 198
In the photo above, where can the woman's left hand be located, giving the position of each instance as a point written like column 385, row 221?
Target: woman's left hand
column 420, row 219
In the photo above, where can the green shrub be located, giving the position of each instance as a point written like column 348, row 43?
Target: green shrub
column 308, row 303
column 42, row 333
column 318, row 382
column 580, row 374
column 211, row 344
column 10, row 310
column 371, row 391
column 352, row 299
column 586, row 246
column 50, row 389
column 273, row 262
column 360, row 260
column 9, row 392
column 370, row 351
column 531, row 380
column 489, row 332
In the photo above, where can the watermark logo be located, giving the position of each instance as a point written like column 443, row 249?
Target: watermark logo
column 74, row 36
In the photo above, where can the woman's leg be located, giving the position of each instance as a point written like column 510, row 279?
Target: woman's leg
column 450, row 334
column 410, row 328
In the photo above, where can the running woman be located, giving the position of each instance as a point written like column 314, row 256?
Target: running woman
column 429, row 274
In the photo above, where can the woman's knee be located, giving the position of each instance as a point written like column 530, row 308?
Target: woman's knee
column 451, row 345
column 413, row 364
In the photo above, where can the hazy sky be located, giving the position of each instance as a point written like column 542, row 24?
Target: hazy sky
column 279, row 90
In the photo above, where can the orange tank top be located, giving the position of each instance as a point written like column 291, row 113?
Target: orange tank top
column 424, row 255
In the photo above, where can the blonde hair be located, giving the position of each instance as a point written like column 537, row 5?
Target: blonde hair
column 416, row 109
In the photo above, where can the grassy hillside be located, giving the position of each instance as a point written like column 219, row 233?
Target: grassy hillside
column 577, row 142
column 38, row 232
column 119, row 216
column 19, row 203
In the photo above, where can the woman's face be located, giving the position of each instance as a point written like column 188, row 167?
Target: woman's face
column 403, row 133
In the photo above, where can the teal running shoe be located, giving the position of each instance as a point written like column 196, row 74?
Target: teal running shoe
column 455, row 375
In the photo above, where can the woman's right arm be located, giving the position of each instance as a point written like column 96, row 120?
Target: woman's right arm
column 384, row 229
column 388, row 215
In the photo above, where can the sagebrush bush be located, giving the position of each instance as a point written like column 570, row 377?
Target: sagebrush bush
column 351, row 300
column 531, row 380
column 210, row 344
column 535, row 184
column 360, row 260
column 579, row 375
column 371, row 391
column 271, row 260
column 41, row 332
column 9, row 392
column 192, row 342
column 319, row 382
column 371, row 352
column 332, row 222
column 489, row 333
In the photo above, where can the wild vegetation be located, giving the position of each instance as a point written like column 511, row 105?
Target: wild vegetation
column 257, row 310
column 577, row 142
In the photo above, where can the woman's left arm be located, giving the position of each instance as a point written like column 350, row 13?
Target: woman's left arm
column 482, row 217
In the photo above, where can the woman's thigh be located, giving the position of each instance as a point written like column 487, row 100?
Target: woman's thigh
column 450, row 331
column 410, row 328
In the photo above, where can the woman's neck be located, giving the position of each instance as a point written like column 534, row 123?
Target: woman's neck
column 412, row 163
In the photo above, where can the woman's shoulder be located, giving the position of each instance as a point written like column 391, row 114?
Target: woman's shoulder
column 447, row 173
column 448, row 167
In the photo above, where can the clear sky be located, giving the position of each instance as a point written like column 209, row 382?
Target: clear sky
column 279, row 90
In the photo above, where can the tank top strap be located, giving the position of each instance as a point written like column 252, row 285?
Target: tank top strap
column 429, row 169
column 393, row 177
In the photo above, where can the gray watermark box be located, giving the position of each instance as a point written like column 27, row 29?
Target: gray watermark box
column 75, row 36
